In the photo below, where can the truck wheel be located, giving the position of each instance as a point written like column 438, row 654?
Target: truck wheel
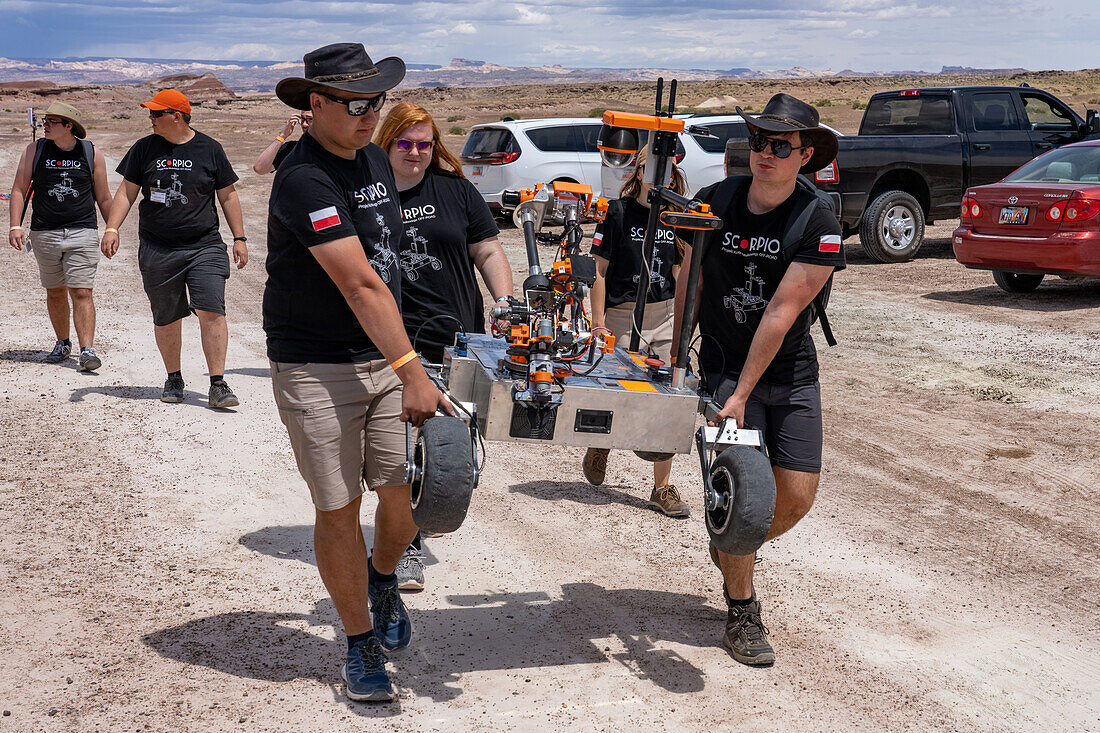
column 743, row 476
column 892, row 228
column 441, row 495
column 1017, row 282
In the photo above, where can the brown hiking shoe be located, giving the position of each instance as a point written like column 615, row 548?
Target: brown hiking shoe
column 666, row 499
column 595, row 465
column 746, row 636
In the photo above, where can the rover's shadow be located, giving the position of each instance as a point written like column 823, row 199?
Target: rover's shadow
column 506, row 631
column 582, row 493
column 1053, row 296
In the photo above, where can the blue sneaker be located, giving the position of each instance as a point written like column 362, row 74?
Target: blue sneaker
column 391, row 621
column 365, row 672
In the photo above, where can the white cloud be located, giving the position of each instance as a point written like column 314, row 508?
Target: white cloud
column 859, row 33
column 528, row 16
column 464, row 29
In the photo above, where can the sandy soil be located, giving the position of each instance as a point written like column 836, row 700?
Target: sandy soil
column 158, row 572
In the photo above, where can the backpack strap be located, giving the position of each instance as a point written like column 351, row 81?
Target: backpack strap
column 794, row 231
column 723, row 195
column 39, row 146
column 89, row 156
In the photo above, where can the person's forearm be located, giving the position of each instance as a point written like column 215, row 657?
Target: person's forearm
column 105, row 203
column 599, row 301
column 120, row 207
column 231, row 207
column 765, row 345
column 497, row 274
column 15, row 207
column 266, row 162
column 376, row 310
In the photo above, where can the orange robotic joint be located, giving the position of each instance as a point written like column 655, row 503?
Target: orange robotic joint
column 642, row 122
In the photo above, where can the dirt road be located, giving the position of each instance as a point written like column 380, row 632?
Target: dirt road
column 157, row 560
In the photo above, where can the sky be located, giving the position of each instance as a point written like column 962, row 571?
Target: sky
column 865, row 35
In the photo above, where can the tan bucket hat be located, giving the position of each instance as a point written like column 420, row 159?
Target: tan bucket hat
column 68, row 113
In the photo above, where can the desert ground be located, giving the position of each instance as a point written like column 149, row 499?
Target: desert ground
column 157, row 560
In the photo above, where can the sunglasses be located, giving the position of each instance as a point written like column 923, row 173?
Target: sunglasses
column 358, row 107
column 405, row 146
column 780, row 148
column 52, row 121
column 160, row 112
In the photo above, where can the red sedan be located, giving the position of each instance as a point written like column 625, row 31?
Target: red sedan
column 1043, row 219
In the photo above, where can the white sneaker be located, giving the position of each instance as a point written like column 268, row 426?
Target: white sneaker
column 410, row 570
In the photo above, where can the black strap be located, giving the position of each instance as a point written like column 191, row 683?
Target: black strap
column 794, row 231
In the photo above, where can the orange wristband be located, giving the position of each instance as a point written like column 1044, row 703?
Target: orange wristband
column 398, row 363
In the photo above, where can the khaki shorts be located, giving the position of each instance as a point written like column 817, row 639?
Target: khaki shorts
column 67, row 258
column 345, row 427
column 656, row 331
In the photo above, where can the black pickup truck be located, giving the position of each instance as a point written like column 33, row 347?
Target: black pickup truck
column 918, row 150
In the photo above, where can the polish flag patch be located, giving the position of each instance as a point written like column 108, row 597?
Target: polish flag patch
column 829, row 243
column 597, row 239
column 325, row 218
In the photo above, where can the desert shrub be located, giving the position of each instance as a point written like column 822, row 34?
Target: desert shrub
column 597, row 111
column 511, row 116
column 827, row 119
column 456, row 130
column 456, row 118
column 823, row 103
column 859, row 105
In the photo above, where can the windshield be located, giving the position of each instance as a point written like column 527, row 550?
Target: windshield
column 1064, row 165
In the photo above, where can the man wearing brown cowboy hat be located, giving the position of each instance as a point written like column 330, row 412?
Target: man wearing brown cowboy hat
column 69, row 178
column 761, row 272
column 342, row 369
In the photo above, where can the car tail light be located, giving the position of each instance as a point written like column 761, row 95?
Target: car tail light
column 828, row 174
column 1080, row 209
column 1055, row 212
column 679, row 158
column 491, row 159
column 971, row 209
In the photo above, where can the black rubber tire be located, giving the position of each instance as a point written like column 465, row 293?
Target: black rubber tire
column 885, row 247
column 744, row 473
column 1017, row 282
column 441, row 496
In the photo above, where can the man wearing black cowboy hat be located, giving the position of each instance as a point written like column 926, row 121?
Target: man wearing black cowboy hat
column 342, row 369
column 759, row 278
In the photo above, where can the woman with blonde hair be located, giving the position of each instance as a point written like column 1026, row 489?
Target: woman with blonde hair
column 448, row 233
column 617, row 247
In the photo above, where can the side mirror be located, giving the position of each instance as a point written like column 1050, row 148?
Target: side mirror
column 1092, row 122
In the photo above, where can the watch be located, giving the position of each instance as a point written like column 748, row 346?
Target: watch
column 240, row 239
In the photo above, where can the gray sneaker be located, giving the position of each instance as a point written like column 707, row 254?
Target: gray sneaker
column 173, row 390
column 60, row 353
column 410, row 570
column 222, row 396
column 746, row 637
column 89, row 360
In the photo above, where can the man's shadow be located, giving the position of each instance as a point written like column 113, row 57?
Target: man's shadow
column 295, row 542
column 133, row 392
column 475, row 633
column 581, row 493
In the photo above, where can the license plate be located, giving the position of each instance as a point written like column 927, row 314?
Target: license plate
column 1013, row 215
column 477, row 171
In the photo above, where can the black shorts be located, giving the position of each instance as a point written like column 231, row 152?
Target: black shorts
column 789, row 416
column 182, row 281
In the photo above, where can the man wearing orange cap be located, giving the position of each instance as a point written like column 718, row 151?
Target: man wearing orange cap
column 183, row 260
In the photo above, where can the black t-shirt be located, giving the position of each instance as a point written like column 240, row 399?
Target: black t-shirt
column 443, row 216
column 618, row 239
column 742, row 268
column 178, row 185
column 284, row 150
column 63, row 191
column 318, row 197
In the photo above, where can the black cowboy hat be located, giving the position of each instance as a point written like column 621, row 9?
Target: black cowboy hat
column 784, row 113
column 341, row 67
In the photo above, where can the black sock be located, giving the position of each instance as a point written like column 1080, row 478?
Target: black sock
column 354, row 639
column 731, row 602
column 67, row 342
column 215, row 378
column 376, row 577
column 175, row 375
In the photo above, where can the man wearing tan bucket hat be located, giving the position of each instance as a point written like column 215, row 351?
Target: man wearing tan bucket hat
column 68, row 177
column 342, row 369
column 181, row 255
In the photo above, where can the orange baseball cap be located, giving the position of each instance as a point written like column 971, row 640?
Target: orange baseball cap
column 169, row 99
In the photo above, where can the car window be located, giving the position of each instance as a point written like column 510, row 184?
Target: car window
column 1042, row 114
column 488, row 141
column 1064, row 165
column 912, row 115
column 589, row 134
column 994, row 111
column 722, row 131
column 556, row 139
